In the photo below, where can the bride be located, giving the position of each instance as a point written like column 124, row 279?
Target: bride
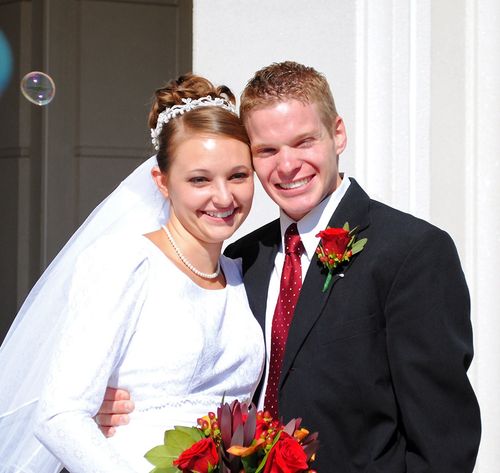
column 161, row 313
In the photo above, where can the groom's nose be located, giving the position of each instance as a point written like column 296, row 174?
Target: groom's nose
column 288, row 161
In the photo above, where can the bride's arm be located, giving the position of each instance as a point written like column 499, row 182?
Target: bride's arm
column 104, row 303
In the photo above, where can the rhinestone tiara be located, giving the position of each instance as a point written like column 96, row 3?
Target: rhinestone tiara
column 187, row 104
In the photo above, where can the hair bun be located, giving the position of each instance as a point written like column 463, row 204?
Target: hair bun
column 186, row 86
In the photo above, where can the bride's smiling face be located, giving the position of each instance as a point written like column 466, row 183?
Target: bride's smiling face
column 210, row 186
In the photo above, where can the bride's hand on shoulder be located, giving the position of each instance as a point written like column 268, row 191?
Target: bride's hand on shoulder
column 114, row 410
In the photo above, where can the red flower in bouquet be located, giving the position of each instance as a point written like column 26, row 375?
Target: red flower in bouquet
column 287, row 456
column 200, row 457
column 336, row 247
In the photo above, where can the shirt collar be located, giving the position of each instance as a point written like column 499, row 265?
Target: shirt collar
column 316, row 220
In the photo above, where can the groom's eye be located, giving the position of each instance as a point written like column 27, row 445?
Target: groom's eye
column 305, row 143
column 263, row 152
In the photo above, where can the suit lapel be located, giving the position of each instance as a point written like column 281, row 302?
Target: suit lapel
column 353, row 208
column 256, row 274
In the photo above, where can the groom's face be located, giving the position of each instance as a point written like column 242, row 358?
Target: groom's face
column 294, row 154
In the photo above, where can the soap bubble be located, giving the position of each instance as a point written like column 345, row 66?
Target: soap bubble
column 5, row 62
column 38, row 88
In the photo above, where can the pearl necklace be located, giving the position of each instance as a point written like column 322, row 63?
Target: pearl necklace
column 188, row 264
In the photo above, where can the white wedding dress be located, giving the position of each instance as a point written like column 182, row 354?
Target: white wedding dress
column 137, row 322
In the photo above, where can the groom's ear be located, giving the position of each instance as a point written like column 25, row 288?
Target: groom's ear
column 160, row 181
column 339, row 134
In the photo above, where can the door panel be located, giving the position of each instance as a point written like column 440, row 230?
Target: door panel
column 59, row 161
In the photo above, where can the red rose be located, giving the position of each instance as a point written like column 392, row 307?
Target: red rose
column 287, row 456
column 198, row 457
column 334, row 240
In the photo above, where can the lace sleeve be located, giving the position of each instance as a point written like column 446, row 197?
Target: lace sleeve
column 105, row 300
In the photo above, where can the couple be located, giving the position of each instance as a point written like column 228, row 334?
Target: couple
column 376, row 363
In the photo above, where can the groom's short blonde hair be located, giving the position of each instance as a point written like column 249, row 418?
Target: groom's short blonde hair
column 289, row 81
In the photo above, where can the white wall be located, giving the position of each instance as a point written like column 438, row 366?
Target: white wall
column 418, row 85
column 233, row 39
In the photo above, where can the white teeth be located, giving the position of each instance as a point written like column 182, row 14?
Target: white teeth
column 294, row 184
column 225, row 214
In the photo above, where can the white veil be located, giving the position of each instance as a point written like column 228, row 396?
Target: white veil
column 136, row 206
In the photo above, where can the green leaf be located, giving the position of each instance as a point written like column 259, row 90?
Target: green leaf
column 177, row 440
column 160, row 457
column 346, row 226
column 195, row 433
column 359, row 245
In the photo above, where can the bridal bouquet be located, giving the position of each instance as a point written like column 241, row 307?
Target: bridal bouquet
column 237, row 439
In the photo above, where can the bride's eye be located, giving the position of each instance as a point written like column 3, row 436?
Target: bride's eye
column 198, row 180
column 239, row 176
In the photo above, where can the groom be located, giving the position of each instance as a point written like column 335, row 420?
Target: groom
column 376, row 362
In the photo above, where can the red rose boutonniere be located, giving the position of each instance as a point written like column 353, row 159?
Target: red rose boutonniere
column 336, row 247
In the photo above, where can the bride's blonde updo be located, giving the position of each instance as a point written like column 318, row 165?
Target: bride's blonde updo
column 214, row 120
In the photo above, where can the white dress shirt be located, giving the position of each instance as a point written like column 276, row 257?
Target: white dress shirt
column 309, row 226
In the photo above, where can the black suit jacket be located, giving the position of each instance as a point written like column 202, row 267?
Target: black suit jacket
column 377, row 364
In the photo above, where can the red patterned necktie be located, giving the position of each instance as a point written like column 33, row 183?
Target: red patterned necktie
column 291, row 282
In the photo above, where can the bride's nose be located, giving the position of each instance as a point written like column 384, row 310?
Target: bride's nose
column 222, row 196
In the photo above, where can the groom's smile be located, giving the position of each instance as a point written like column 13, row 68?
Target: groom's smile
column 294, row 184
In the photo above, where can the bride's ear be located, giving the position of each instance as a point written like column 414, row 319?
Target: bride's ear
column 160, row 181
